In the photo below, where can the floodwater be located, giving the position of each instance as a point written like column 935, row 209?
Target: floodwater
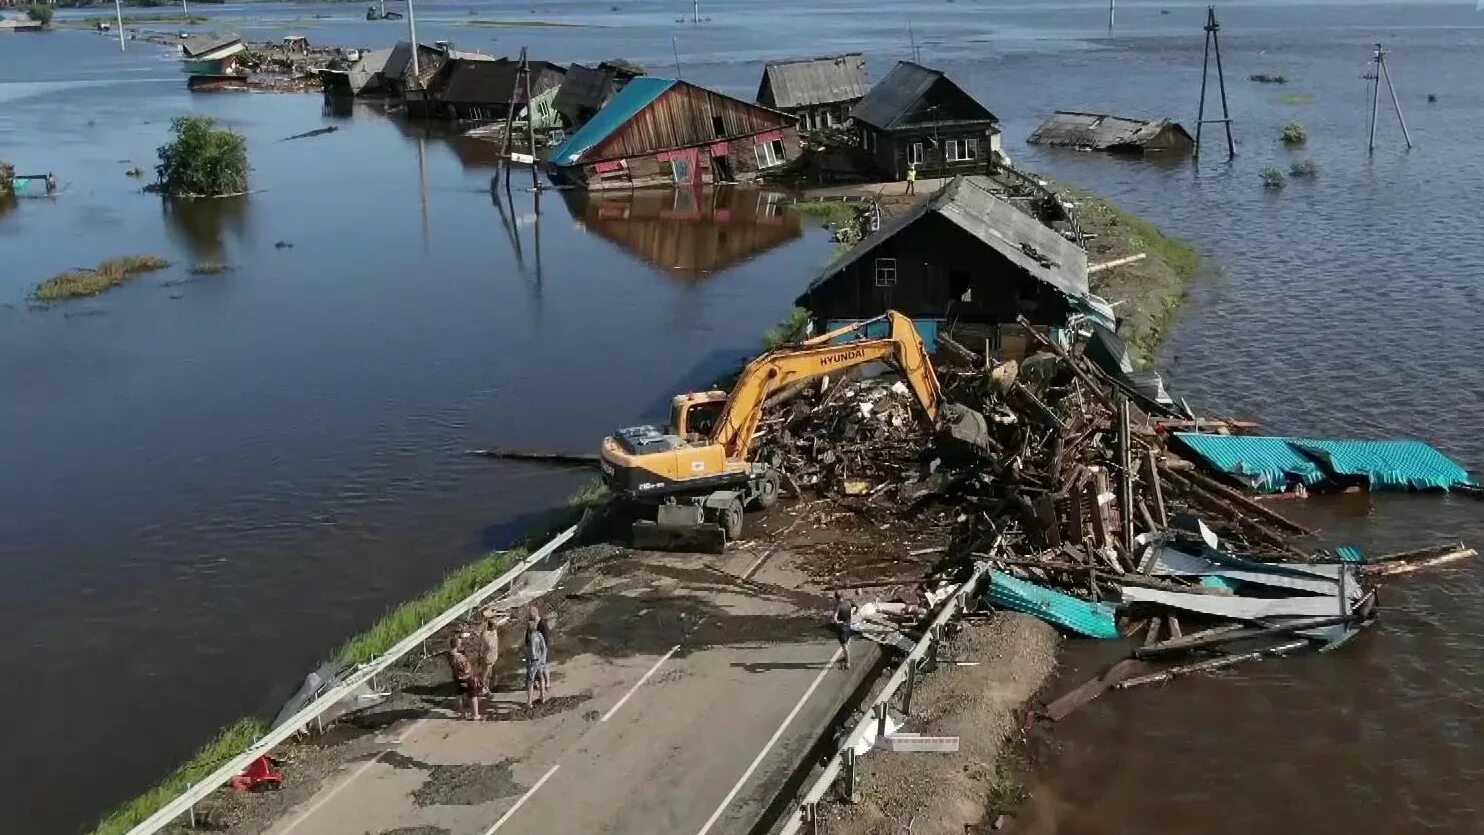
column 208, row 482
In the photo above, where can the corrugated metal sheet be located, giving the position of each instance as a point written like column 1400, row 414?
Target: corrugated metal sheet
column 969, row 203
column 1268, row 463
column 634, row 97
column 811, row 81
column 1240, row 608
column 1095, row 620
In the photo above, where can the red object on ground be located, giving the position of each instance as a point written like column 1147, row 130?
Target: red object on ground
column 259, row 774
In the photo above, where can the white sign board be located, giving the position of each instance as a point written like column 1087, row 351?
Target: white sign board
column 917, row 743
column 528, row 159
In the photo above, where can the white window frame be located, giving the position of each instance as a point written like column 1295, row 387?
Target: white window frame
column 767, row 156
column 914, row 154
column 886, row 272
column 963, row 150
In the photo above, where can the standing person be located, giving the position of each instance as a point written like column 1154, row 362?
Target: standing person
column 536, row 672
column 543, row 625
column 489, row 653
column 844, row 612
column 463, row 679
column 912, row 178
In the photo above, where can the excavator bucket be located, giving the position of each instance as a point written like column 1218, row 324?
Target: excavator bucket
column 704, row 538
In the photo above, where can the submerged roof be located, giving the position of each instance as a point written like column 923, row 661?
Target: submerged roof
column 490, row 81
column 896, row 96
column 809, row 81
column 969, row 204
column 634, row 97
column 1099, row 131
column 200, row 46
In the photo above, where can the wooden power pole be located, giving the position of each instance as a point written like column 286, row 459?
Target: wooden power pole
column 1213, row 44
column 1376, row 76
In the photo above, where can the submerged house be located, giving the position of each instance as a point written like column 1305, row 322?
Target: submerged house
column 482, row 89
column 967, row 255
column 1115, row 134
column 819, row 92
column 214, row 54
column 362, row 78
column 585, row 90
column 917, row 116
column 663, row 132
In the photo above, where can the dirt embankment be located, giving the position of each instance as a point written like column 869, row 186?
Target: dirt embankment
column 1011, row 655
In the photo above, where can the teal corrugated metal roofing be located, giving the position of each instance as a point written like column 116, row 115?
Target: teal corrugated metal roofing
column 1268, row 463
column 1095, row 620
column 634, row 97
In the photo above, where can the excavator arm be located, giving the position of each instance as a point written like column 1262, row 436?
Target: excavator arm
column 901, row 347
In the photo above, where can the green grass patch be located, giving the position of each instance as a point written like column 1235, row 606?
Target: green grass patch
column 75, row 284
column 832, row 212
column 137, row 19
column 1006, row 793
column 784, row 332
column 1297, row 98
column 209, row 268
column 528, row 24
column 230, row 742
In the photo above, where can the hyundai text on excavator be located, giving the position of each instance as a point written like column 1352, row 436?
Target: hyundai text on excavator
column 696, row 474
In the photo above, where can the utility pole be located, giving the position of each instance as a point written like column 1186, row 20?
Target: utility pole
column 525, row 72
column 696, row 19
column 412, row 33
column 1213, row 42
column 912, row 42
column 1376, row 76
column 675, row 45
column 1111, row 4
column 119, row 10
column 185, row 8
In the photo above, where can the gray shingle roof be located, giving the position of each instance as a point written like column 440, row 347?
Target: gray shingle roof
column 895, row 96
column 811, row 81
column 1099, row 131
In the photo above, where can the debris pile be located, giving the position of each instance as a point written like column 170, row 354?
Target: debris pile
column 1104, row 526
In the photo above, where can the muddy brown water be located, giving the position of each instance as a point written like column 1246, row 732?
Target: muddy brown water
column 207, row 484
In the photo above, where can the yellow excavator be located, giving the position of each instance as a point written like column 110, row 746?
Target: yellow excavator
column 696, row 474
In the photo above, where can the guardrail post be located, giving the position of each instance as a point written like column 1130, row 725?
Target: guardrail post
column 193, row 816
column 881, row 712
column 811, row 818
column 911, row 685
column 848, row 775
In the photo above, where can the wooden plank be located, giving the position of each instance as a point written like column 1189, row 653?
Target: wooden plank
column 1094, row 687
column 1151, row 471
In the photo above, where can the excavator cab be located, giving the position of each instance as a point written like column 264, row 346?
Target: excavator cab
column 693, row 416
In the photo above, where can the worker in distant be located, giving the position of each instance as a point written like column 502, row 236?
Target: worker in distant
column 844, row 614
column 489, row 652
column 912, row 178
column 464, row 679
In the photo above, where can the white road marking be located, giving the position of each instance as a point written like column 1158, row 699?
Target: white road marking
column 523, row 798
column 773, row 740
column 639, row 683
column 355, row 775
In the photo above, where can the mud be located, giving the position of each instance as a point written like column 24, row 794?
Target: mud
column 943, row 794
column 416, row 830
column 467, row 785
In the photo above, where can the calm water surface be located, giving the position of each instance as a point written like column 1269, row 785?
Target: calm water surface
column 208, row 482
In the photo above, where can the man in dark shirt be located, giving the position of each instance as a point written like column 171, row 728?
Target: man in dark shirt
column 844, row 611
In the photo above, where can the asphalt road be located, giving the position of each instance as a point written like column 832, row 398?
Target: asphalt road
column 708, row 680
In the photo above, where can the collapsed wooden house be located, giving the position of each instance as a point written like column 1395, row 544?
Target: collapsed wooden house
column 481, row 89
column 1114, row 134
column 918, row 117
column 212, row 55
column 585, row 89
column 967, row 255
column 664, row 132
column 819, row 92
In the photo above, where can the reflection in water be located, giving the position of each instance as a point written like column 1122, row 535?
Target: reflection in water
column 198, row 224
column 690, row 233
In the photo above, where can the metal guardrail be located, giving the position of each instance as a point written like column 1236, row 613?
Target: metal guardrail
column 806, row 815
column 188, row 799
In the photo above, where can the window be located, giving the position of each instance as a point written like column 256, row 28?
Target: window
column 718, row 127
column 680, row 167
column 770, row 154
column 914, row 153
column 829, row 118
column 886, row 272
column 963, row 150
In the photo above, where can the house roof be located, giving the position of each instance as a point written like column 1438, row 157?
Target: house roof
column 489, row 82
column 810, row 81
column 970, row 204
column 1099, row 131
column 895, row 96
column 584, row 87
column 199, row 46
column 634, row 97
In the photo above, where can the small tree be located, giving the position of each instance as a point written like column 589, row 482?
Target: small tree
column 1273, row 178
column 7, row 177
column 1294, row 134
column 40, row 12
column 204, row 160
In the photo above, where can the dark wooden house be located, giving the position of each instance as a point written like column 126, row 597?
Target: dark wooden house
column 967, row 255
column 660, row 131
column 1114, row 134
column 919, row 116
column 819, row 92
column 586, row 89
column 483, row 90
column 691, row 234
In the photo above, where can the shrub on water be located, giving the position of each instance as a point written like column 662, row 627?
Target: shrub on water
column 40, row 12
column 1273, row 178
column 1306, row 168
column 203, row 160
column 1294, row 134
